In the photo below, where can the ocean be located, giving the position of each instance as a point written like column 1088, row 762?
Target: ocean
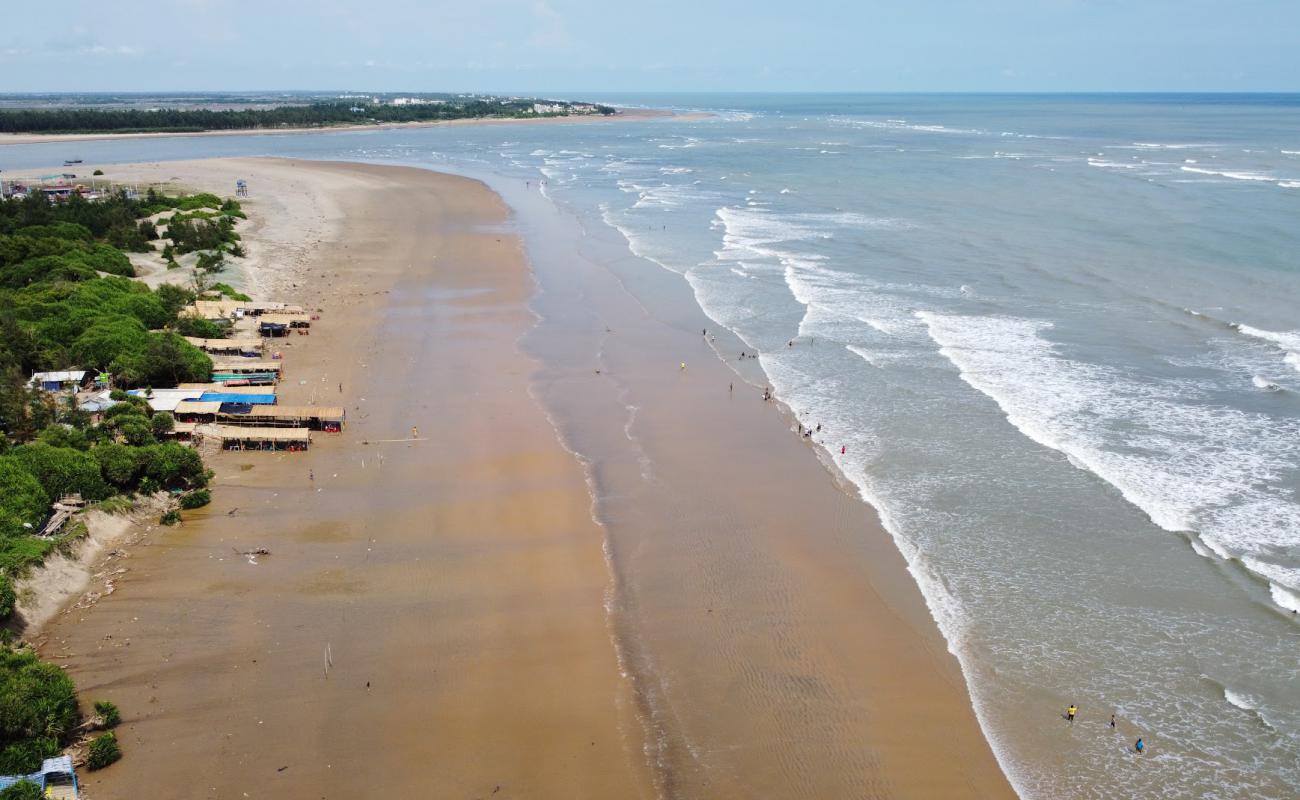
column 1055, row 340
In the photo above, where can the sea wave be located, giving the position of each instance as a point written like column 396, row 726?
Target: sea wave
column 1219, row 472
column 1286, row 341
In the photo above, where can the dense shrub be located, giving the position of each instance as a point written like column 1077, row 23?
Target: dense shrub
column 174, row 466
column 61, row 470
column 200, row 328
column 166, row 360
column 196, row 499
column 137, row 433
column 22, row 498
column 120, row 465
column 173, row 298
column 64, row 436
column 22, row 790
column 109, row 716
column 58, row 230
column 103, row 751
column 8, row 597
column 172, row 517
column 161, row 423
column 228, row 291
column 38, row 708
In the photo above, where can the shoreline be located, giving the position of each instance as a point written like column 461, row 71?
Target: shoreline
column 623, row 115
column 885, row 684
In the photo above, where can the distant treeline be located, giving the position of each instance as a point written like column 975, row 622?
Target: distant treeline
column 85, row 120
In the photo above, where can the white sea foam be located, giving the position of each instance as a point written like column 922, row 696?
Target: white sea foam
column 1236, row 175
column 1224, row 473
column 1286, row 341
column 1285, row 598
column 1099, row 162
column 901, row 124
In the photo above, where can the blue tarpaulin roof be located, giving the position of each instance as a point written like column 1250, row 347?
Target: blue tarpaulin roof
column 240, row 399
column 60, row 765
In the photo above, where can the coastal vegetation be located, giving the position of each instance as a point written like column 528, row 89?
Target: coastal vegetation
column 38, row 711
column 68, row 302
column 103, row 751
column 310, row 115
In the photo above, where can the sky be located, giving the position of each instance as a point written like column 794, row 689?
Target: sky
column 612, row 46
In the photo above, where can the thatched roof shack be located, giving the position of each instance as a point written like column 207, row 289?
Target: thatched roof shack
column 245, row 366
column 234, row 309
column 228, row 347
column 247, row 437
column 318, row 418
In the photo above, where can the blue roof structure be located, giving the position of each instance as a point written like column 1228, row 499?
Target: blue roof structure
column 57, row 766
column 238, row 399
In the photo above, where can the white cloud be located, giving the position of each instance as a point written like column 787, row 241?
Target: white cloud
column 550, row 32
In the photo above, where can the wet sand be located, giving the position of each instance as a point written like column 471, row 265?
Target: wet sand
column 778, row 645
column 763, row 638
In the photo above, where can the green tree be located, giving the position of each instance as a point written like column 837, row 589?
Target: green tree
column 173, row 298
column 120, row 465
column 38, row 708
column 162, row 423
column 22, row 499
column 62, row 436
column 61, row 470
column 107, row 339
column 174, row 466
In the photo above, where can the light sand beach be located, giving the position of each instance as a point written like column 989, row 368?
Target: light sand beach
column 445, row 617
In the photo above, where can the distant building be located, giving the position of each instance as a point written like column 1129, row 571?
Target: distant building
column 67, row 380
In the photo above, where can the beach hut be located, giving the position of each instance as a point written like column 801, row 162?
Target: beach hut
column 248, row 437
column 196, row 411
column 318, row 418
column 228, row 347
column 246, row 366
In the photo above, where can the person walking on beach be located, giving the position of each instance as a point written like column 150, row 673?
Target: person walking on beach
column 1138, row 746
column 1112, row 722
column 1070, row 712
column 311, row 475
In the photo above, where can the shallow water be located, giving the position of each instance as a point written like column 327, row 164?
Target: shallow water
column 1057, row 340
